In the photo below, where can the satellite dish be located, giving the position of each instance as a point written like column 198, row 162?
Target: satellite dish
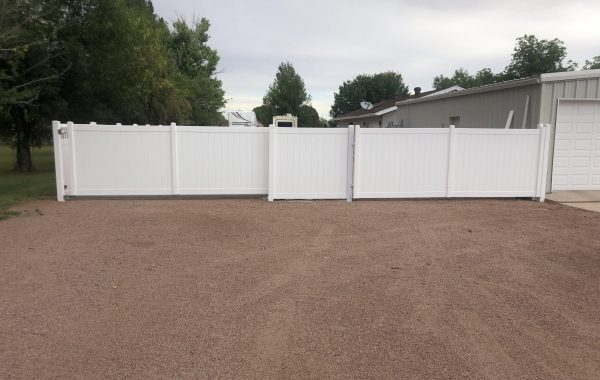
column 366, row 105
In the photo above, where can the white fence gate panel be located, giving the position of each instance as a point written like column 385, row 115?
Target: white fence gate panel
column 217, row 160
column 401, row 163
column 495, row 163
column 121, row 160
column 308, row 163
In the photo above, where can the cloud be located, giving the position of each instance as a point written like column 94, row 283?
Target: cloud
column 332, row 41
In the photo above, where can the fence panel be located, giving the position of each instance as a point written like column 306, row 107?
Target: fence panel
column 496, row 163
column 217, row 160
column 118, row 160
column 401, row 163
column 121, row 160
column 308, row 163
column 422, row 163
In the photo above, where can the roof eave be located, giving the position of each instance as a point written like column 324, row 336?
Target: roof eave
column 570, row 75
column 363, row 116
column 387, row 110
column 475, row 90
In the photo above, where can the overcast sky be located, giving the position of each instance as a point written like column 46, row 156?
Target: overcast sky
column 329, row 41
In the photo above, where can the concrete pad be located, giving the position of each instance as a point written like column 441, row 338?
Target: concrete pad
column 590, row 206
column 574, row 196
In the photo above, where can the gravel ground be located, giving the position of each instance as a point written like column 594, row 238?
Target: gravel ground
column 249, row 289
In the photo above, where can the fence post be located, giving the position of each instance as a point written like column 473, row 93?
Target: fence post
column 450, row 176
column 543, row 161
column 356, row 159
column 174, row 160
column 272, row 142
column 71, row 139
column 58, row 161
column 350, row 164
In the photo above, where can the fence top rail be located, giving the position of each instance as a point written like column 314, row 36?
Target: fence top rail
column 194, row 129
column 308, row 131
column 164, row 128
column 120, row 128
column 496, row 131
column 404, row 131
column 462, row 131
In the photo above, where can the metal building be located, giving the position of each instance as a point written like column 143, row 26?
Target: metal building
column 569, row 102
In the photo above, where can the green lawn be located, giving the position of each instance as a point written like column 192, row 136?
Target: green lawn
column 15, row 186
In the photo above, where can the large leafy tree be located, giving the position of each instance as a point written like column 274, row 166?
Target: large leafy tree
column 100, row 60
column 533, row 56
column 308, row 117
column 197, row 68
column 122, row 71
column 371, row 88
column 287, row 94
column 30, row 68
column 263, row 114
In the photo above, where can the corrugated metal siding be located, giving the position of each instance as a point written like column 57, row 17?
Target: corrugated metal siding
column 481, row 110
column 566, row 89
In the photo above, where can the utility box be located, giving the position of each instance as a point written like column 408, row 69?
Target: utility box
column 285, row 121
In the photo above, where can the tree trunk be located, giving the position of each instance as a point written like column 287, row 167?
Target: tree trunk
column 23, row 140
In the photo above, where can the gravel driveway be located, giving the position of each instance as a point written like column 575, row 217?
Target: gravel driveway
column 243, row 288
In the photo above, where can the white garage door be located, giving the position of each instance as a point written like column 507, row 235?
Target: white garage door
column 577, row 146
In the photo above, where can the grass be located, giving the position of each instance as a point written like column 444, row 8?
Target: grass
column 16, row 187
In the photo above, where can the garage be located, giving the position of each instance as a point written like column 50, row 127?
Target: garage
column 576, row 163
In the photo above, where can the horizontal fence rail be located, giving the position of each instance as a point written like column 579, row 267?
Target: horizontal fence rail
column 297, row 163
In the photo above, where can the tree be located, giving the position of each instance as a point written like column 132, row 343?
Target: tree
column 463, row 79
column 263, row 114
column 100, row 60
column 287, row 92
column 197, row 65
column 532, row 56
column 122, row 70
column 30, row 67
column 308, row 117
column 371, row 88
column 593, row 64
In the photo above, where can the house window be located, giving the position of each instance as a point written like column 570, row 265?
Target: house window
column 455, row 120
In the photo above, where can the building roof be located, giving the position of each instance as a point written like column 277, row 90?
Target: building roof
column 379, row 108
column 549, row 77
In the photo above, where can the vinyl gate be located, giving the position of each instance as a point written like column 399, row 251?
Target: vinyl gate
column 295, row 163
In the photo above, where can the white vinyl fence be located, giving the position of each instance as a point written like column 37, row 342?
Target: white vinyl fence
column 160, row 160
column 449, row 162
column 295, row 163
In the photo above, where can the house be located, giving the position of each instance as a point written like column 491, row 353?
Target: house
column 568, row 101
column 383, row 113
